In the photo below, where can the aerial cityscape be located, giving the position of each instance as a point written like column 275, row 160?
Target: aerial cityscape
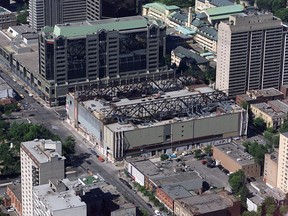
column 143, row 107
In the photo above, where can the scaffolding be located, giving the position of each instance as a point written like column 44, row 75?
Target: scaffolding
column 159, row 109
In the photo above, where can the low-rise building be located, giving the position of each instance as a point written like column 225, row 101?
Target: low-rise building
column 15, row 196
column 168, row 194
column 5, row 90
column 233, row 158
column 259, row 96
column 217, row 14
column 271, row 169
column 181, row 55
column 159, row 11
column 273, row 112
column 216, row 204
column 201, row 5
column 7, row 18
column 207, row 38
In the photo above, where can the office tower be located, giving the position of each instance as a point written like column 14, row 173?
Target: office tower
column 41, row 160
column 51, row 12
column 103, row 9
column 282, row 174
column 106, row 50
column 249, row 53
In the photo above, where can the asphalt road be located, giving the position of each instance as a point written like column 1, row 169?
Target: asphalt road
column 50, row 118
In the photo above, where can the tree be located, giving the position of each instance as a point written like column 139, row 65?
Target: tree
column 69, row 146
column 250, row 213
column 198, row 153
column 22, row 17
column 257, row 151
column 164, row 157
column 282, row 14
column 208, row 150
column 237, row 182
column 259, row 123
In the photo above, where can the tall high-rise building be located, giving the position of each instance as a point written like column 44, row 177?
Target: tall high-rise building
column 282, row 174
column 249, row 53
column 105, row 50
column 51, row 12
column 103, row 9
column 41, row 160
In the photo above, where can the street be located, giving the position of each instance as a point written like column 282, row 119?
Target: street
column 51, row 118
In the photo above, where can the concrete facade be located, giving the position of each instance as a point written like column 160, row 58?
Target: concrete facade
column 103, row 9
column 233, row 159
column 7, row 18
column 52, row 12
column 116, row 140
column 106, row 51
column 55, row 200
column 249, row 53
column 271, row 169
column 283, row 163
column 41, row 160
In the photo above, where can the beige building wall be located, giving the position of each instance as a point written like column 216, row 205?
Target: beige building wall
column 258, row 113
column 272, row 119
column 270, row 170
column 206, row 43
column 232, row 165
column 282, row 174
column 246, row 53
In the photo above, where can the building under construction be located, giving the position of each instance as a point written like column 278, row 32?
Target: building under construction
column 154, row 117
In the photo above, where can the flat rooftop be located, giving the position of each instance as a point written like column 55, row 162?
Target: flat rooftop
column 78, row 29
column 42, row 154
column 4, row 85
column 268, row 109
column 58, row 201
column 176, row 192
column 264, row 93
column 89, row 180
column 205, row 203
column 233, row 151
column 100, row 107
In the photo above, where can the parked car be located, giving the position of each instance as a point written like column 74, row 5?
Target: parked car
column 101, row 159
column 149, row 205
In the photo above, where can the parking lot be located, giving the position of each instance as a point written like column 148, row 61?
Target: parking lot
column 213, row 176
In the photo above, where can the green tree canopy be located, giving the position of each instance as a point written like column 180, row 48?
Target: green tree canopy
column 69, row 146
column 237, row 182
column 208, row 150
column 257, row 151
column 260, row 124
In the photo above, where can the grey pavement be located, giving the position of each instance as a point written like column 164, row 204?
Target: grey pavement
column 51, row 120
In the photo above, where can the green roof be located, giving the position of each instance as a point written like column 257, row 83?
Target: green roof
column 224, row 10
column 89, row 180
column 161, row 7
column 86, row 28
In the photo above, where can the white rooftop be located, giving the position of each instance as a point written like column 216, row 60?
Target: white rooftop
column 56, row 201
column 42, row 150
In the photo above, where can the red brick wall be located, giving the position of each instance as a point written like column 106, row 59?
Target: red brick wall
column 161, row 195
column 15, row 202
